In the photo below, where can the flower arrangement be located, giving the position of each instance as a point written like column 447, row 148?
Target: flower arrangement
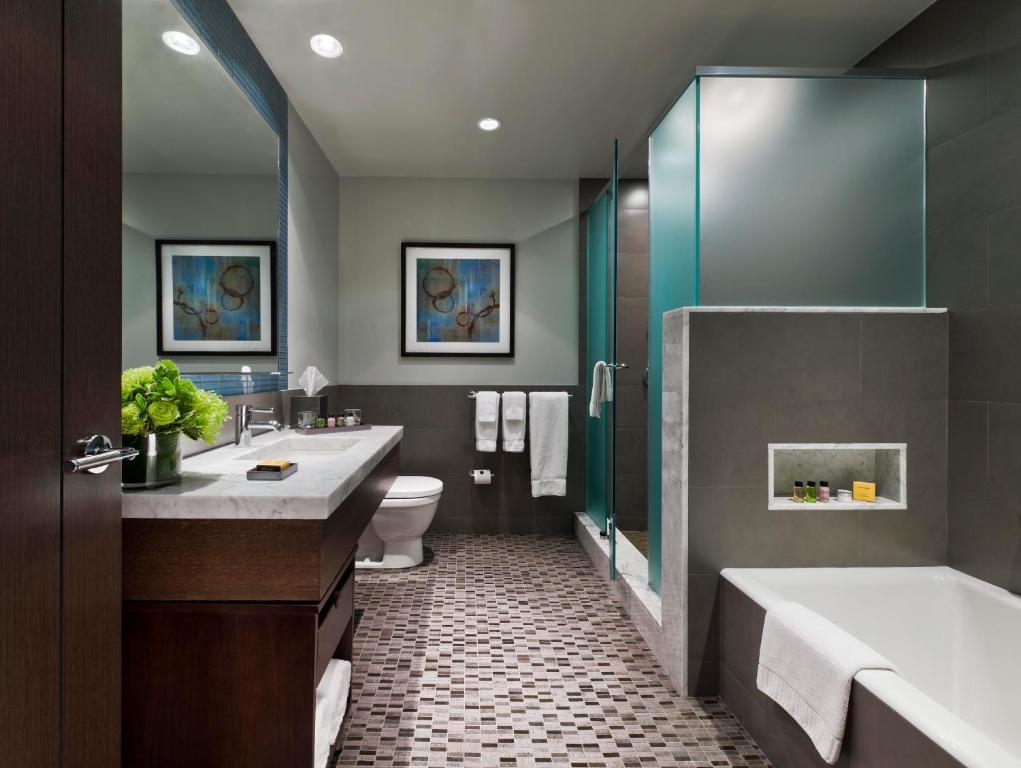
column 157, row 399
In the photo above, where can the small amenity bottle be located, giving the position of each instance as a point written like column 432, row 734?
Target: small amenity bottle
column 331, row 422
column 799, row 491
column 810, row 493
column 824, row 490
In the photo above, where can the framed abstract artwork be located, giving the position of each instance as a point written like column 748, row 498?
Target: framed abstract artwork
column 457, row 300
column 216, row 297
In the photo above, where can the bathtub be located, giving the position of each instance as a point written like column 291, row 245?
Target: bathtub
column 955, row 640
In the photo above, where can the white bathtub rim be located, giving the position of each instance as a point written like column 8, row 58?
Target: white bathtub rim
column 954, row 735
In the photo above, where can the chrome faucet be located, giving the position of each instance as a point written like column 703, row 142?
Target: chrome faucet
column 244, row 424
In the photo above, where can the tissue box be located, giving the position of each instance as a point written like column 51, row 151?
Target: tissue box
column 315, row 403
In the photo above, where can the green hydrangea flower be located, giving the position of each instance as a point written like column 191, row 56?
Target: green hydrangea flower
column 158, row 399
column 132, row 421
column 135, row 378
column 162, row 413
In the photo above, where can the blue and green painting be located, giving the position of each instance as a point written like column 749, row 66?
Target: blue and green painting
column 458, row 300
column 216, row 298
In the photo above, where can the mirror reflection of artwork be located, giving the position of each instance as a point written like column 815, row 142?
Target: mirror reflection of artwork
column 216, row 298
column 457, row 299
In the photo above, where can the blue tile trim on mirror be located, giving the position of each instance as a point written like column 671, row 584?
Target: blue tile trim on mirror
column 221, row 31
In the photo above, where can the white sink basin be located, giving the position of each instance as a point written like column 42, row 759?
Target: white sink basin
column 289, row 446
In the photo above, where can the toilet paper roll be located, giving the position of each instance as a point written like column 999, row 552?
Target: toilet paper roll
column 482, row 476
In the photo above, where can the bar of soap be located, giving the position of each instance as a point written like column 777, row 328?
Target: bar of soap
column 273, row 465
column 863, row 491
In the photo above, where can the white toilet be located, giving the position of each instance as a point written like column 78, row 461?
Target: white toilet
column 394, row 537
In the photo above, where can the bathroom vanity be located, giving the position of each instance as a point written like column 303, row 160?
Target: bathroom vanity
column 238, row 593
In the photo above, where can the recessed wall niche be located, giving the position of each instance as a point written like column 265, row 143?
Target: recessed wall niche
column 840, row 464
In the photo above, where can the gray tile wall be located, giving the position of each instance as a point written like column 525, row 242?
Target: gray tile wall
column 972, row 53
column 632, row 348
column 791, row 377
column 439, row 440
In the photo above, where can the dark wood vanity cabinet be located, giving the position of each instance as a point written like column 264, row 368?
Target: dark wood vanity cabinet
column 228, row 628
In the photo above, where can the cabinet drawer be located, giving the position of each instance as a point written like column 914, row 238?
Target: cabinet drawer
column 334, row 620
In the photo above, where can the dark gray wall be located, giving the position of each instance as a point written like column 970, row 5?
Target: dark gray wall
column 632, row 348
column 972, row 52
column 794, row 377
column 439, row 440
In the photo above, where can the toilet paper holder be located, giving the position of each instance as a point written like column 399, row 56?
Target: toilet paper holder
column 472, row 474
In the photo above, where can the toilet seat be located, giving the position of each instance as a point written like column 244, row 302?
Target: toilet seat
column 414, row 487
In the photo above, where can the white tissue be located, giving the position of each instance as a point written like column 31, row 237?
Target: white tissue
column 312, row 380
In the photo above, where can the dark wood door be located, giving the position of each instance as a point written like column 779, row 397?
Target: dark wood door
column 59, row 363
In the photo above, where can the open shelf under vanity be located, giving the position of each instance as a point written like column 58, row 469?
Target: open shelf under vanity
column 884, row 464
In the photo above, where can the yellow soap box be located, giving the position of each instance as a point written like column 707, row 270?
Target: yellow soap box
column 863, row 491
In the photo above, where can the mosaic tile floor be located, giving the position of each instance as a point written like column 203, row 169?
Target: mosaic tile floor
column 508, row 651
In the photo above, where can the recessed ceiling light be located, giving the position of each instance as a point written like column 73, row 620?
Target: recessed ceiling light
column 180, row 42
column 489, row 124
column 326, row 46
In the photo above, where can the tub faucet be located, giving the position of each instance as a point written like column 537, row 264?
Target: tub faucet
column 244, row 424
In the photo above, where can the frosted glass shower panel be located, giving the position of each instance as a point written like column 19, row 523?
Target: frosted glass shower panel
column 811, row 191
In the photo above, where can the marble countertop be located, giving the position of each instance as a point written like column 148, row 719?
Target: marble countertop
column 214, row 485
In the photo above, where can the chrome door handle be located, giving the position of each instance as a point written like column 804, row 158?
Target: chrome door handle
column 98, row 453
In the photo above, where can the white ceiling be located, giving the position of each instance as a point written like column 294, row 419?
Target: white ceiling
column 565, row 76
column 184, row 114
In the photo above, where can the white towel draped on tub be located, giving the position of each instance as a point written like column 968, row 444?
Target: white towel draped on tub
column 806, row 665
column 487, row 425
column 514, row 419
column 547, row 435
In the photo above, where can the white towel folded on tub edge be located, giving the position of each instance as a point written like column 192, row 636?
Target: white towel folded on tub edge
column 807, row 665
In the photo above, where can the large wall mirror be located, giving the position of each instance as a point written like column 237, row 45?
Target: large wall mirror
column 200, row 212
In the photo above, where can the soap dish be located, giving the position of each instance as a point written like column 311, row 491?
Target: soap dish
column 271, row 474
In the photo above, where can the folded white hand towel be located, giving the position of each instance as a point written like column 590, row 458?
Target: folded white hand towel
column 806, row 665
column 514, row 420
column 547, row 434
column 602, row 389
column 487, row 405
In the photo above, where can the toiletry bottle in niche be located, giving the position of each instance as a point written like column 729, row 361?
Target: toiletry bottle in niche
column 811, row 496
column 799, row 491
column 824, row 490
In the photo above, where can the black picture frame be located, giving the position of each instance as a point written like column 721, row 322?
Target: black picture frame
column 161, row 350
column 446, row 245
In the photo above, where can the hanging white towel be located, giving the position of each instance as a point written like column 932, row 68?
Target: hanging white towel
column 602, row 389
column 487, row 425
column 514, row 420
column 547, row 435
column 806, row 665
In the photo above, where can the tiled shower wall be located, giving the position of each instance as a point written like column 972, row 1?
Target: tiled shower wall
column 632, row 348
column 971, row 51
column 795, row 377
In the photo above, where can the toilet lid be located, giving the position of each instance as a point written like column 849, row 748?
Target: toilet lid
column 414, row 487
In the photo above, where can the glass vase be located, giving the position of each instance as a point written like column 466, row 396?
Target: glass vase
column 158, row 462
